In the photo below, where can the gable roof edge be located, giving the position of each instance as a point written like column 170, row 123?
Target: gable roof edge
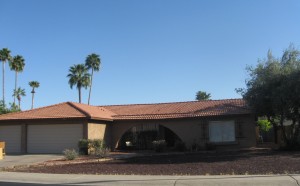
column 80, row 110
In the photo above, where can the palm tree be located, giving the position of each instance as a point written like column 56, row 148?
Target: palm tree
column 4, row 57
column 79, row 76
column 17, row 64
column 33, row 85
column 18, row 93
column 92, row 62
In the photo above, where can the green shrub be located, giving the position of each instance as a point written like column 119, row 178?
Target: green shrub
column 264, row 125
column 83, row 145
column 159, row 145
column 70, row 154
column 97, row 143
column 179, row 146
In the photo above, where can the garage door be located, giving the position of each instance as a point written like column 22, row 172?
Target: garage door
column 11, row 135
column 53, row 138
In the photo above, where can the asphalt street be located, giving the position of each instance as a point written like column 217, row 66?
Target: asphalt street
column 26, row 179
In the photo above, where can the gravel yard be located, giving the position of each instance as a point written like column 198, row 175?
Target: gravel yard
column 210, row 163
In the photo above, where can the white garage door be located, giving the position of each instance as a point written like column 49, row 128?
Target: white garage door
column 53, row 138
column 11, row 135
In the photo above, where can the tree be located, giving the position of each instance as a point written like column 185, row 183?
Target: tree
column 92, row 62
column 17, row 64
column 18, row 93
column 273, row 91
column 4, row 57
column 33, row 85
column 201, row 95
column 79, row 76
column 264, row 125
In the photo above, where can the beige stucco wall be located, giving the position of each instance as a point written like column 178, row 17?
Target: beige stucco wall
column 99, row 131
column 194, row 130
column 96, row 131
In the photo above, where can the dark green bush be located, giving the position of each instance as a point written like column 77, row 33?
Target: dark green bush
column 97, row 143
column 83, row 145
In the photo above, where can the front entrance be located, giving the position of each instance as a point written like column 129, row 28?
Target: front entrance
column 141, row 137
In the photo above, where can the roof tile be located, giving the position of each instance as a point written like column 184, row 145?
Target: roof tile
column 179, row 109
column 135, row 111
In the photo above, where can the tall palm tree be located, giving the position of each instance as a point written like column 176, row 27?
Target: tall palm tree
column 79, row 76
column 4, row 57
column 18, row 93
column 92, row 62
column 17, row 64
column 33, row 85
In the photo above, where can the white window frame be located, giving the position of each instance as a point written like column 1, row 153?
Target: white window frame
column 223, row 126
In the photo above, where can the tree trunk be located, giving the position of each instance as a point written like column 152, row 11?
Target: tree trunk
column 91, row 86
column 16, row 80
column 283, row 130
column 32, row 99
column 19, row 103
column 274, row 129
column 79, row 93
column 3, row 81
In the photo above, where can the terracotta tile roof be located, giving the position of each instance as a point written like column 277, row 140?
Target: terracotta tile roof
column 135, row 111
column 61, row 111
column 179, row 109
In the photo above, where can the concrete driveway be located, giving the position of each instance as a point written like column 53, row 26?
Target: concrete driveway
column 11, row 161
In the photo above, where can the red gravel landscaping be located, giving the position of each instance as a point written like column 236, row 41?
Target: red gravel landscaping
column 212, row 163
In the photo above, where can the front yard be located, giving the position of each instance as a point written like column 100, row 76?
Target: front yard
column 210, row 163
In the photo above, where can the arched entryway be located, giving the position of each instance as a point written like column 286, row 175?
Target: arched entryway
column 141, row 137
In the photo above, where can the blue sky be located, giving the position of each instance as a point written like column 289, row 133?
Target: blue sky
column 151, row 51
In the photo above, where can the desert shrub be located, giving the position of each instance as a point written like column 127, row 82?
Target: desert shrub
column 101, row 152
column 159, row 145
column 98, row 148
column 179, row 146
column 70, row 154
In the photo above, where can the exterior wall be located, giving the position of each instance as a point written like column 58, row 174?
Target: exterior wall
column 195, row 130
column 101, row 130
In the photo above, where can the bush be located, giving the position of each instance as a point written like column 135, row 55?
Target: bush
column 70, row 154
column 97, row 148
column 179, row 146
column 102, row 152
column 264, row 125
column 159, row 145
column 97, row 143
column 83, row 145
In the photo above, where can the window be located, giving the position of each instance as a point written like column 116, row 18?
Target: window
column 221, row 131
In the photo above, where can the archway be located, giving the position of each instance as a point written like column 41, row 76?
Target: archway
column 140, row 137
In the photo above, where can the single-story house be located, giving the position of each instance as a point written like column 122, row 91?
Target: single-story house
column 225, row 123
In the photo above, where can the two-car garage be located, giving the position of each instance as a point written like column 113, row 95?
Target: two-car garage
column 41, row 138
